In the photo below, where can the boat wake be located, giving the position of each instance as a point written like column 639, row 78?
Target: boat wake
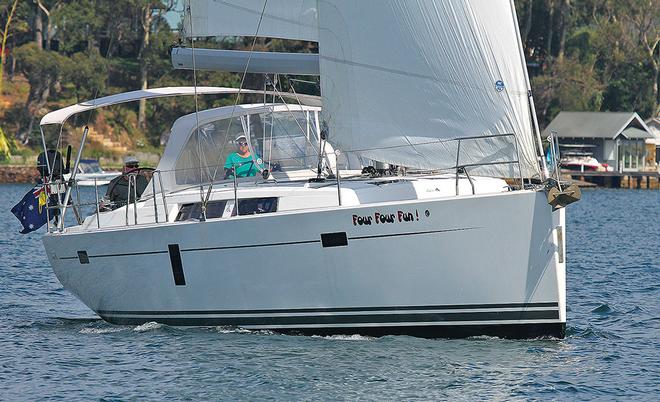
column 238, row 330
column 100, row 331
column 148, row 326
column 354, row 337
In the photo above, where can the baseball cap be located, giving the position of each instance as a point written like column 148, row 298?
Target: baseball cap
column 131, row 160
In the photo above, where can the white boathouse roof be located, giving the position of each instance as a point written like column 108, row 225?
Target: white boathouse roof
column 607, row 125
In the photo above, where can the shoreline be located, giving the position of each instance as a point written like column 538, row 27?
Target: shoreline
column 18, row 174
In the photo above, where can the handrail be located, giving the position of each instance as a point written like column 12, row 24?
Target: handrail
column 553, row 139
column 459, row 169
column 462, row 168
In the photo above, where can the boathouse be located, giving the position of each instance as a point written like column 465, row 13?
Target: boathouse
column 653, row 144
column 615, row 138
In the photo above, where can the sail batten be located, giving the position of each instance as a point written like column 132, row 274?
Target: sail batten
column 404, row 78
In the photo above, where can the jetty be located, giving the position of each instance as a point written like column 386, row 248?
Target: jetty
column 636, row 180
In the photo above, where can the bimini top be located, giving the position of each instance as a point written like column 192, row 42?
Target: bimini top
column 60, row 116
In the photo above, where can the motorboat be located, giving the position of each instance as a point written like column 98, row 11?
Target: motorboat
column 90, row 174
column 411, row 198
column 583, row 162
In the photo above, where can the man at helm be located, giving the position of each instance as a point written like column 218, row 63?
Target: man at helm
column 118, row 189
column 241, row 162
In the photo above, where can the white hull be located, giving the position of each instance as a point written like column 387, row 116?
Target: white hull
column 92, row 179
column 483, row 264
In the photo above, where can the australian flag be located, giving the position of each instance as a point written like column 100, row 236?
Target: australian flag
column 31, row 210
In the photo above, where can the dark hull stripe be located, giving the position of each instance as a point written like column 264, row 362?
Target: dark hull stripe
column 510, row 331
column 270, row 244
column 332, row 309
column 119, row 254
column 288, row 243
column 409, row 233
column 352, row 319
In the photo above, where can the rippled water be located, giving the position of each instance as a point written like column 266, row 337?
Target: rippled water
column 54, row 347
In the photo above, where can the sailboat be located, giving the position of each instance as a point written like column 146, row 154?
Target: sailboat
column 410, row 198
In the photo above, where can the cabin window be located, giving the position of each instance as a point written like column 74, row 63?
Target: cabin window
column 225, row 208
column 215, row 144
column 214, row 209
column 282, row 140
column 252, row 206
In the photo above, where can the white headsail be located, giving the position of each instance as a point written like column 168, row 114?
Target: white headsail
column 399, row 77
column 287, row 19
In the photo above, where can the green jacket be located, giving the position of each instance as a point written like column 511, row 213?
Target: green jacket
column 244, row 166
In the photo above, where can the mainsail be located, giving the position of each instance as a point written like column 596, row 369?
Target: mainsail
column 401, row 80
column 286, row 19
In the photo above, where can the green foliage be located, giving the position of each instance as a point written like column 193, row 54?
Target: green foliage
column 593, row 55
column 588, row 55
column 86, row 74
column 42, row 68
column 5, row 152
column 79, row 23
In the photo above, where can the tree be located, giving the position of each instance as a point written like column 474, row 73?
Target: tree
column 643, row 16
column 44, row 36
column 3, row 44
column 80, row 24
column 85, row 74
column 43, row 69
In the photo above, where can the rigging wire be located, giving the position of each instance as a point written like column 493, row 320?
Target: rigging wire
column 196, row 97
column 286, row 105
column 322, row 155
column 238, row 95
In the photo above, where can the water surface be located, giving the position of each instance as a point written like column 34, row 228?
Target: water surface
column 54, row 347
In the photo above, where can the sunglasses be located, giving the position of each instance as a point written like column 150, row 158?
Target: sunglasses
column 242, row 143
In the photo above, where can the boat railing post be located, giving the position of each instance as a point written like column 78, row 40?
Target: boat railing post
column 515, row 143
column 45, row 190
column 233, row 166
column 61, row 204
column 162, row 193
column 338, row 185
column 557, row 157
column 76, row 207
column 153, row 190
column 135, row 221
column 128, row 197
column 469, row 179
column 98, row 210
column 458, row 156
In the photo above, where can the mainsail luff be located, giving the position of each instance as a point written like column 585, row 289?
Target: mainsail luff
column 401, row 84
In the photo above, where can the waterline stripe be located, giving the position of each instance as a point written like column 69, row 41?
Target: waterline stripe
column 333, row 309
column 355, row 319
